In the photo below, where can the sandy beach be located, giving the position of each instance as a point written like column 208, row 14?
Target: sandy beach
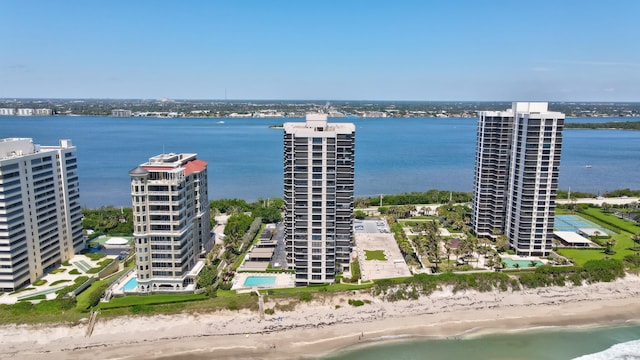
column 318, row 327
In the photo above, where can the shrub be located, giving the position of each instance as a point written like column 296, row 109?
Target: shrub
column 96, row 294
column 306, row 296
column 355, row 271
column 67, row 289
column 232, row 305
column 353, row 302
column 211, row 291
column 95, row 256
column 632, row 261
column 74, row 272
column 269, row 311
column 141, row 308
column 59, row 282
column 39, row 282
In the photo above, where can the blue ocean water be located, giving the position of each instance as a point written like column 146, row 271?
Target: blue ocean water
column 598, row 343
column 245, row 155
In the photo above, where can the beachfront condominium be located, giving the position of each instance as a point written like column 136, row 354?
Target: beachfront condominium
column 171, row 221
column 318, row 194
column 40, row 213
column 516, row 176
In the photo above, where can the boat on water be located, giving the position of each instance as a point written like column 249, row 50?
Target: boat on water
column 588, row 166
column 220, row 122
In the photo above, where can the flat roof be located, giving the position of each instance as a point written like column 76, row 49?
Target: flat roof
column 571, row 237
column 255, row 265
column 261, row 252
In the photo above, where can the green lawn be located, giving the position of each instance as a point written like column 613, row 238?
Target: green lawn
column 375, row 255
column 610, row 220
column 150, row 300
column 330, row 288
column 580, row 256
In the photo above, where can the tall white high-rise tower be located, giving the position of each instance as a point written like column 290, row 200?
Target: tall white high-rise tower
column 516, row 175
column 318, row 194
column 40, row 213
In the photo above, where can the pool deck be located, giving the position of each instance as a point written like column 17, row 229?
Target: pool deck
column 116, row 288
column 283, row 280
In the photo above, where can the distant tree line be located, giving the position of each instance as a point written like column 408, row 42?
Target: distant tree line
column 626, row 125
column 562, row 194
column 429, row 197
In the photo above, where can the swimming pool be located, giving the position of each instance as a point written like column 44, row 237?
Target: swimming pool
column 130, row 285
column 259, row 280
column 511, row 264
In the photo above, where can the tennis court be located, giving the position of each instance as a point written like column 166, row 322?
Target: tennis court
column 575, row 223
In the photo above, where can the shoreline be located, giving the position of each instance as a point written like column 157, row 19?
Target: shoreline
column 319, row 328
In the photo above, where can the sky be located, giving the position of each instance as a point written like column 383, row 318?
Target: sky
column 321, row 50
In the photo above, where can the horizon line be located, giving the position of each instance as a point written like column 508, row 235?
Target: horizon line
column 319, row 100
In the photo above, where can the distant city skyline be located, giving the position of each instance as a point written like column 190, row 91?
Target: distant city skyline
column 296, row 50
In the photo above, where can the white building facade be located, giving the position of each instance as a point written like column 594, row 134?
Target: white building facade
column 171, row 220
column 318, row 194
column 40, row 212
column 516, row 176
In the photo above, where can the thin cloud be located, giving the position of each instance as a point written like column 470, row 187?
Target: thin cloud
column 541, row 69
column 598, row 63
column 16, row 66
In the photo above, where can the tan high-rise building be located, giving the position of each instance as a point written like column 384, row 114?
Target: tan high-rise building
column 171, row 220
column 318, row 194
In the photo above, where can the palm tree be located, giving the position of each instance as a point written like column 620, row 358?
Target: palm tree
column 432, row 242
column 447, row 249
column 609, row 247
column 533, row 263
column 501, row 243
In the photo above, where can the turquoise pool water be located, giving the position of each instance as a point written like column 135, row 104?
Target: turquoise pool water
column 130, row 285
column 521, row 263
column 259, row 280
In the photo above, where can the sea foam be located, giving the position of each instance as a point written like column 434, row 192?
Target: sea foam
column 624, row 351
